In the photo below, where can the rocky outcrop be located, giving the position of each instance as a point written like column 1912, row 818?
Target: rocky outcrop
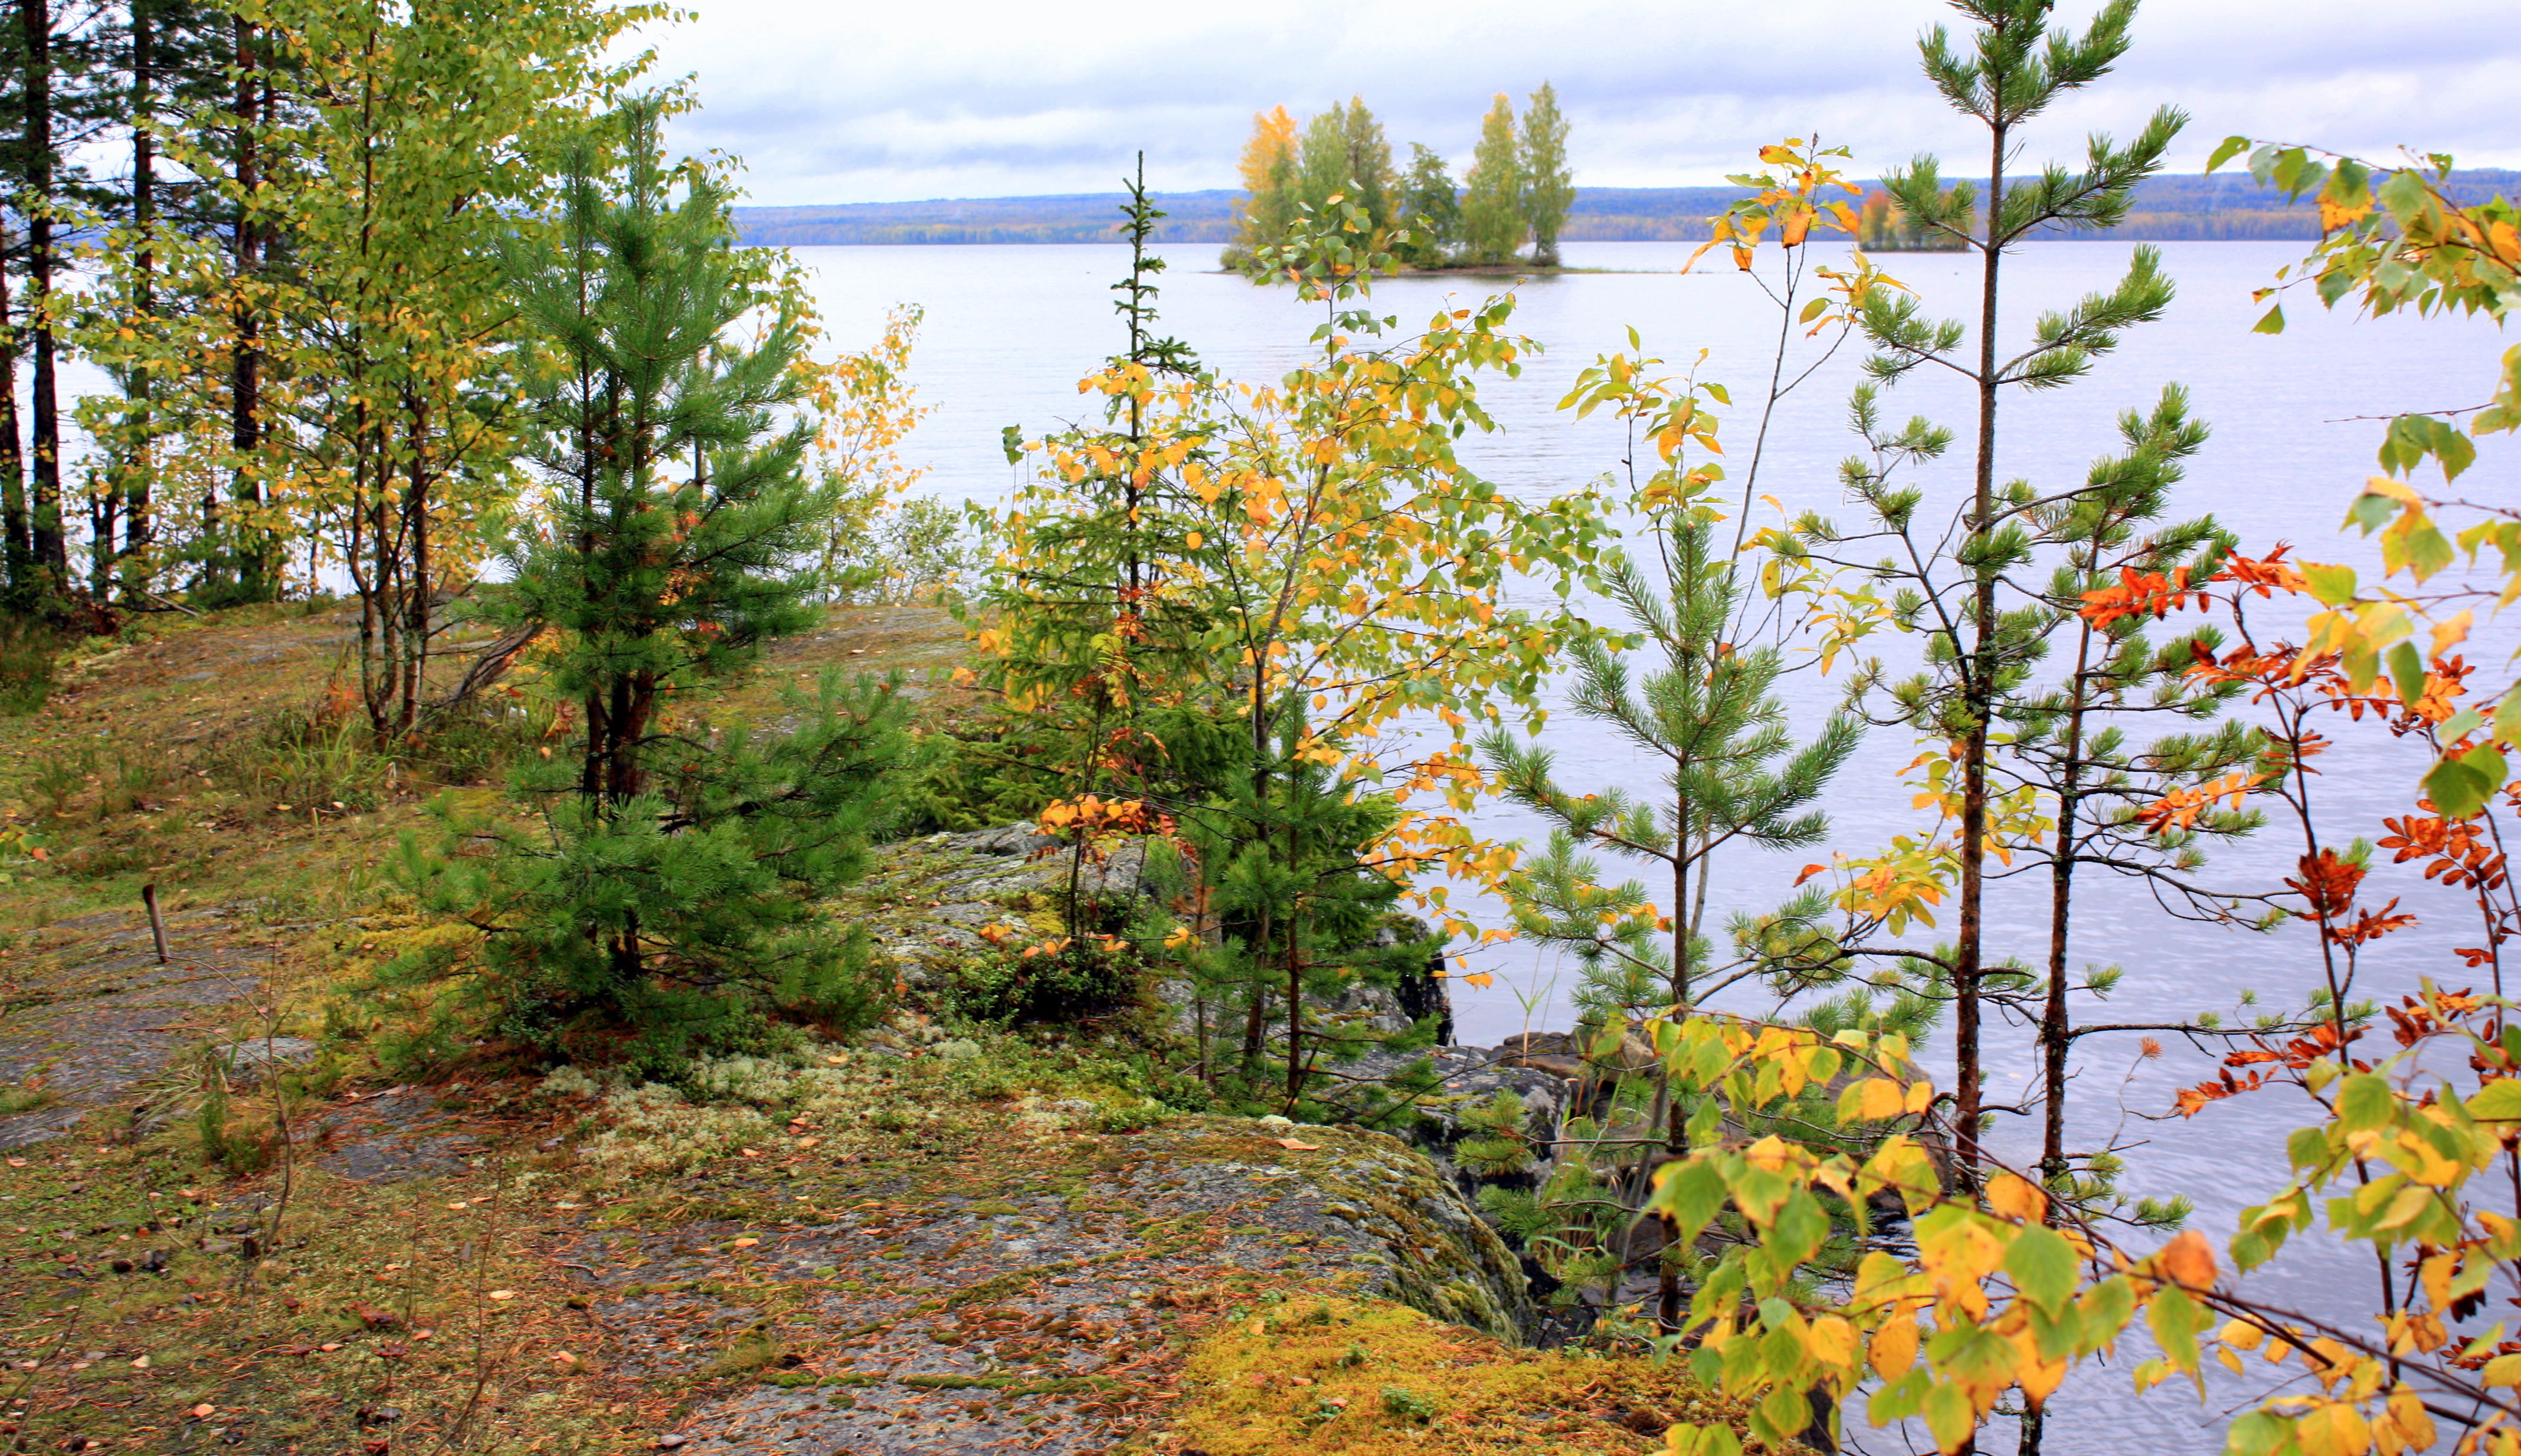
column 101, row 1032
column 1021, row 1304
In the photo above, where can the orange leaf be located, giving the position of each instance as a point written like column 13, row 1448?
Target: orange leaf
column 2014, row 1197
column 2189, row 1260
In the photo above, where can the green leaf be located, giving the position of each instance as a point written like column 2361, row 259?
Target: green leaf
column 2230, row 148
column 1691, row 1195
column 2273, row 323
column 2458, row 789
column 2259, row 1433
column 1707, row 1123
column 2408, row 671
column 2043, row 1265
column 2508, row 717
column 2404, row 193
column 2107, row 1308
column 2176, row 1320
column 2371, row 511
column 1948, row 1416
column 2364, row 1100
column 1787, row 1413
column 2487, row 761
column 2333, row 586
column 2456, row 450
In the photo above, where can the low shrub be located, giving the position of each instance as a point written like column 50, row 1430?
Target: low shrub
column 1074, row 981
column 476, row 742
column 316, row 760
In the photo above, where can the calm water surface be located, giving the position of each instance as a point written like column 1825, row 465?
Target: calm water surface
column 1010, row 328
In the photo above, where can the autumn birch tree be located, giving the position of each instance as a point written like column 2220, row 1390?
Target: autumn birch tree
column 382, row 342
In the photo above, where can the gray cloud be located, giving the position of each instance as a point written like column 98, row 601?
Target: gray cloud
column 886, row 102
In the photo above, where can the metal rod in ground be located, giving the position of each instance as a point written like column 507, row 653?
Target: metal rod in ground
column 157, row 926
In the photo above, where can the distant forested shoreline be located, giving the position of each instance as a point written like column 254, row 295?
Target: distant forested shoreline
column 2168, row 208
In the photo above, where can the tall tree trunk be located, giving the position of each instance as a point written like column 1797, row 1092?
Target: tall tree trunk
column 355, row 547
column 1978, row 706
column 251, row 558
column 381, row 605
column 104, row 515
column 415, row 508
column 51, row 542
column 2056, row 1022
column 139, row 526
column 16, row 544
column 1294, row 968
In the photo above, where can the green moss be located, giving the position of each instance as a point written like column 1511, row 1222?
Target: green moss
column 1374, row 1379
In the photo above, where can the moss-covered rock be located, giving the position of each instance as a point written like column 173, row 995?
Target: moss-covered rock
column 1364, row 1379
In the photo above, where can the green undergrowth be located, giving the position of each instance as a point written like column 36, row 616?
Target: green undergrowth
column 28, row 653
column 1372, row 1379
column 226, row 758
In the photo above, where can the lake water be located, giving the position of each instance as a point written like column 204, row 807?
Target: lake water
column 1010, row 328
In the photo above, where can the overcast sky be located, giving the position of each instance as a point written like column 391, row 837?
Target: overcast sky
column 912, row 99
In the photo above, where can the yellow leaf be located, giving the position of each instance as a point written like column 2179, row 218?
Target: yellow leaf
column 1871, row 1100
column 1894, row 1348
column 2241, row 1335
column 2013, row 1195
column 2450, row 632
column 1831, row 1340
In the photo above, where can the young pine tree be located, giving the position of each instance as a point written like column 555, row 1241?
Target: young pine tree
column 1285, row 876
column 2072, row 740
column 668, row 893
column 1705, row 714
column 1982, row 647
column 1090, row 627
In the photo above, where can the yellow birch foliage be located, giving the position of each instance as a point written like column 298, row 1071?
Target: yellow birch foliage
column 1316, row 543
column 2004, row 1293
